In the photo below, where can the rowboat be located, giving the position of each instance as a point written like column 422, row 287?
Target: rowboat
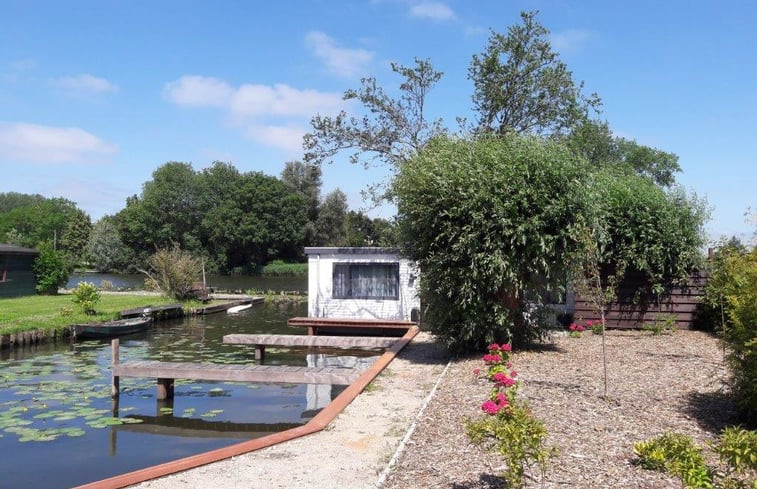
column 239, row 308
column 111, row 328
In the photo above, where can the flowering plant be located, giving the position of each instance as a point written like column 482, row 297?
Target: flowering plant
column 509, row 427
column 500, row 372
column 576, row 330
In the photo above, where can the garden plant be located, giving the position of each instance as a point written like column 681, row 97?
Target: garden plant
column 509, row 427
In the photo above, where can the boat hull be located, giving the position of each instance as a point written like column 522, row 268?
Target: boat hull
column 111, row 328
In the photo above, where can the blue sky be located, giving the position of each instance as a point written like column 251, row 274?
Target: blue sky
column 95, row 95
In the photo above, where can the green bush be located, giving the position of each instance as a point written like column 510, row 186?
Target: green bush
column 733, row 286
column 174, row 271
column 491, row 224
column 677, row 455
column 86, row 296
column 51, row 269
column 278, row 268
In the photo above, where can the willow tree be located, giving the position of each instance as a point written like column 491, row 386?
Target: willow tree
column 492, row 223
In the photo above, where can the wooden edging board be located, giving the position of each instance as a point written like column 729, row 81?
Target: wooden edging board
column 318, row 423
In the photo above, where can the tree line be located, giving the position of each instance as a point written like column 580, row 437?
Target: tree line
column 233, row 221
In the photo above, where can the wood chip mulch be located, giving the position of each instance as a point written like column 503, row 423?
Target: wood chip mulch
column 674, row 382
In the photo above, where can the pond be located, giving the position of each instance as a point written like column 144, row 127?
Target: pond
column 221, row 282
column 59, row 426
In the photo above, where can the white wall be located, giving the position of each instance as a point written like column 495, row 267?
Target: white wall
column 320, row 276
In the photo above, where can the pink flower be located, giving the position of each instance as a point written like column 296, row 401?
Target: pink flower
column 506, row 347
column 589, row 323
column 509, row 365
column 493, row 347
column 476, row 371
column 499, row 377
column 490, row 358
column 501, row 400
column 580, row 328
column 572, row 326
column 490, row 407
column 513, row 374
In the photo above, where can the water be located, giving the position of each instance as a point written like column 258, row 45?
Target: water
column 220, row 282
column 60, row 427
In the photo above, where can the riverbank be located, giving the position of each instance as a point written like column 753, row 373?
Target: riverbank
column 407, row 431
column 34, row 319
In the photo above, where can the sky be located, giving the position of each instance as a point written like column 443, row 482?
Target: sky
column 96, row 95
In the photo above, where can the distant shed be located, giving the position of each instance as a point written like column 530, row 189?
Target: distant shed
column 16, row 274
column 362, row 283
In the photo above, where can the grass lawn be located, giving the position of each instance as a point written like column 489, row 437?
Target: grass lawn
column 58, row 311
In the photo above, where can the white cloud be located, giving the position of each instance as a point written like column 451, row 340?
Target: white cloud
column 198, row 91
column 433, row 11
column 283, row 100
column 342, row 61
column 568, row 41
column 85, row 84
column 47, row 144
column 253, row 106
column 288, row 138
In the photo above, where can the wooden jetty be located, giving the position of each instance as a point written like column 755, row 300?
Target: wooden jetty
column 167, row 372
column 155, row 312
column 373, row 327
column 227, row 305
column 260, row 341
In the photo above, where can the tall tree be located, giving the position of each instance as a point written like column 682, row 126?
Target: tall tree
column 520, row 84
column 107, row 252
column 594, row 140
column 390, row 131
column 304, row 179
column 75, row 236
column 331, row 226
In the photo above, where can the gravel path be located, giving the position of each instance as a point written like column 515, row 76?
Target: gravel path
column 657, row 383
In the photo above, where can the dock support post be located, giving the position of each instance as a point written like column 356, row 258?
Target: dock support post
column 165, row 389
column 115, row 379
column 259, row 354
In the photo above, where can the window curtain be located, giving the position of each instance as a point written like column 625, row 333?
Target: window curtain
column 366, row 280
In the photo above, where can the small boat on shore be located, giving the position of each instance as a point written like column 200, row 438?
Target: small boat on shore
column 239, row 308
column 111, row 328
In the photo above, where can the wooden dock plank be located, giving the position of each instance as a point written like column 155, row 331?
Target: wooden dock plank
column 310, row 341
column 351, row 322
column 373, row 327
column 239, row 373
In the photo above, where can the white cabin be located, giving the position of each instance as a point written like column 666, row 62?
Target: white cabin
column 367, row 283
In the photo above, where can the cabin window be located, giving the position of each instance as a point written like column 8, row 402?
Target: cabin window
column 366, row 281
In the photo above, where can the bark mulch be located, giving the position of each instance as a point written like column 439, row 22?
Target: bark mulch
column 673, row 382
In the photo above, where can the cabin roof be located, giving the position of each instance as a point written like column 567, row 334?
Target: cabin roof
column 352, row 250
column 6, row 249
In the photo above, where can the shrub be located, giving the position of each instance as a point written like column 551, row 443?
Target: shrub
column 86, row 296
column 734, row 285
column 677, row 455
column 174, row 271
column 490, row 222
column 51, row 269
column 278, row 268
column 509, row 427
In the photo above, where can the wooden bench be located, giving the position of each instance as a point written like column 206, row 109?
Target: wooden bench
column 385, row 327
column 167, row 372
column 260, row 341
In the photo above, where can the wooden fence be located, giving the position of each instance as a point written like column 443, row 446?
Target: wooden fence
column 631, row 310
